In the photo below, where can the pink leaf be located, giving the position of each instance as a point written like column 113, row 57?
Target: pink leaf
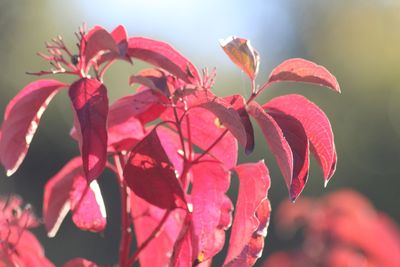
column 316, row 126
column 183, row 250
column 150, row 174
column 79, row 262
column 276, row 140
column 87, row 205
column 21, row 119
column 301, row 70
column 146, row 219
column 251, row 215
column 164, row 56
column 239, row 104
column 94, row 44
column 90, row 101
column 242, row 53
column 56, row 202
column 297, row 139
column 210, row 183
column 203, row 129
column 68, row 190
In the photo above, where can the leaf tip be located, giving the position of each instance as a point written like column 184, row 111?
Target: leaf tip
column 10, row 172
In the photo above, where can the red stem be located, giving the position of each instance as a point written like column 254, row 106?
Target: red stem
column 125, row 243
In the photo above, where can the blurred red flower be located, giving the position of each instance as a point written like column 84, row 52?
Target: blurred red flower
column 18, row 246
column 341, row 229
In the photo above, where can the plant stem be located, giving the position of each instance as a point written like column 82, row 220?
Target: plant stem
column 125, row 243
column 155, row 232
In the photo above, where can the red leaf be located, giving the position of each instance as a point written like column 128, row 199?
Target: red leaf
column 297, row 139
column 239, row 104
column 88, row 210
column 164, row 56
column 79, row 262
column 301, row 70
column 242, row 53
column 251, row 215
column 316, row 126
column 154, row 79
column 120, row 37
column 21, row 119
column 94, row 44
column 276, row 140
column 69, row 190
column 56, row 195
column 183, row 250
column 90, row 101
column 204, row 130
column 150, row 174
column 145, row 105
column 210, row 183
column 146, row 218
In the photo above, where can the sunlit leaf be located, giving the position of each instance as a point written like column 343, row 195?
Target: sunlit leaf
column 21, row 119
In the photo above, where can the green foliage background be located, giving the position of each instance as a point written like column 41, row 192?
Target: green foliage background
column 358, row 41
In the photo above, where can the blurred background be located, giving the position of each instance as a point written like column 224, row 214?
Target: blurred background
column 358, row 41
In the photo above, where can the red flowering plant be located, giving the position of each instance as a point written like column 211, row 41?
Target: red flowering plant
column 172, row 145
column 340, row 229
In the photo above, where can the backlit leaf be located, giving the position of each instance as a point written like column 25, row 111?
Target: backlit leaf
column 316, row 126
column 164, row 56
column 251, row 215
column 90, row 102
column 301, row 70
column 21, row 119
column 87, row 205
column 275, row 139
column 296, row 137
column 210, row 183
column 79, row 262
column 242, row 53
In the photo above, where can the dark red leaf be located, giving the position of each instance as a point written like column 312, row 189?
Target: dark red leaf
column 210, row 183
column 150, row 174
column 316, row 126
column 96, row 43
column 90, row 101
column 164, row 56
column 242, row 53
column 21, row 119
column 297, row 139
column 239, row 104
column 79, row 262
column 87, row 205
column 251, row 215
column 56, row 195
column 275, row 139
column 301, row 70
column 146, row 219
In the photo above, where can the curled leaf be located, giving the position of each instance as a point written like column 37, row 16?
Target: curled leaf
column 21, row 119
column 301, row 70
column 276, row 140
column 242, row 53
column 164, row 56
